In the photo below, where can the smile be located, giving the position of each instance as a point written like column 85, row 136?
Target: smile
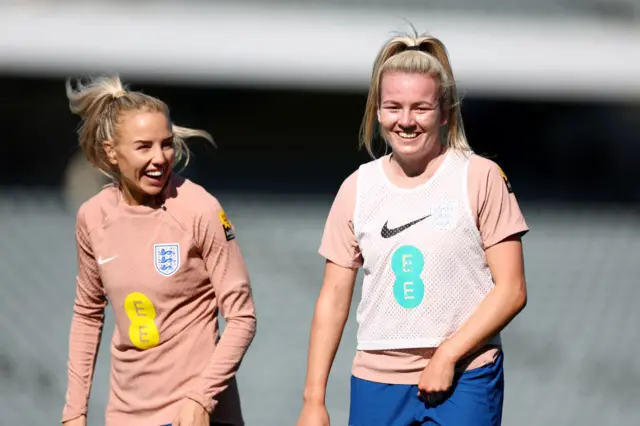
column 407, row 135
column 154, row 174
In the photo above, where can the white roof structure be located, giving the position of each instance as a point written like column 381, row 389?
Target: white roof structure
column 501, row 48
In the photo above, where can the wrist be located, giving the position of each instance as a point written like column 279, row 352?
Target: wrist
column 449, row 352
column 314, row 396
column 205, row 403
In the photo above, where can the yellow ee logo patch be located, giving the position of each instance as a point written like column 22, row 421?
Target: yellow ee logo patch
column 506, row 181
column 226, row 226
column 143, row 332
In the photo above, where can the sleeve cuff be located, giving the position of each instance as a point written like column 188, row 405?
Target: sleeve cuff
column 66, row 417
column 339, row 262
column 500, row 237
column 207, row 403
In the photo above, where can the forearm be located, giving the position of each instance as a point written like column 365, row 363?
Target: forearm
column 496, row 311
column 225, row 361
column 330, row 317
column 84, row 343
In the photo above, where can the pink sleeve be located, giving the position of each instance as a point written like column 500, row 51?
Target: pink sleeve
column 493, row 202
column 86, row 325
column 230, row 279
column 339, row 243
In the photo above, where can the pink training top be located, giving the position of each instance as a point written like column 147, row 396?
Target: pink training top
column 165, row 272
column 498, row 216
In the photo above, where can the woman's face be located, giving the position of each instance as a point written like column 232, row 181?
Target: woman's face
column 144, row 154
column 409, row 113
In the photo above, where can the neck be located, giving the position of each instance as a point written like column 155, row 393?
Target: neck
column 414, row 167
column 138, row 198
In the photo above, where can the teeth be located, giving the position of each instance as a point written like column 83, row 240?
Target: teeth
column 407, row 135
column 154, row 174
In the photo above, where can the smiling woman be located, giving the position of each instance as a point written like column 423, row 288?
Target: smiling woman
column 129, row 136
column 437, row 231
column 409, row 63
column 163, row 252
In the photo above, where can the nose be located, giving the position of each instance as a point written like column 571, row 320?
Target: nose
column 158, row 156
column 406, row 119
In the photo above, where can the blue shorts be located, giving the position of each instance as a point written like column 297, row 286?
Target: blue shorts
column 476, row 400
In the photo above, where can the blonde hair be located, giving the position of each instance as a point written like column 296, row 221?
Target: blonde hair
column 101, row 102
column 422, row 54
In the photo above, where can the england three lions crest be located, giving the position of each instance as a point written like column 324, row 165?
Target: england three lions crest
column 166, row 258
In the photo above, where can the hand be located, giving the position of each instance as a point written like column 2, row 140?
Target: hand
column 191, row 414
column 313, row 414
column 436, row 380
column 78, row 421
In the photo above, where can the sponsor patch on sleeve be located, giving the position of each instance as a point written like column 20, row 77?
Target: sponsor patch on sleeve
column 226, row 226
column 506, row 180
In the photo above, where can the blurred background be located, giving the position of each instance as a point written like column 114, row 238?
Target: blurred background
column 552, row 94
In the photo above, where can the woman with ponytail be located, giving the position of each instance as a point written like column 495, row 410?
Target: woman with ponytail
column 437, row 231
column 163, row 253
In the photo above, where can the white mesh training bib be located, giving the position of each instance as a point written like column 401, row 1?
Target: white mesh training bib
column 424, row 267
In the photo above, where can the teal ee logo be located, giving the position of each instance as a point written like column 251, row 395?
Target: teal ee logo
column 407, row 263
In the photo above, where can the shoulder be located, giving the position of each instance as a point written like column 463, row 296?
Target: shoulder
column 350, row 182
column 345, row 199
column 372, row 164
column 197, row 209
column 192, row 196
column 190, row 203
column 484, row 173
column 479, row 165
column 94, row 212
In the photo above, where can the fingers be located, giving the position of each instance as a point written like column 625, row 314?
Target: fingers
column 437, row 398
column 433, row 398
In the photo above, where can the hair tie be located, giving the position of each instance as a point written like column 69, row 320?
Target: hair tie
column 414, row 48
column 119, row 94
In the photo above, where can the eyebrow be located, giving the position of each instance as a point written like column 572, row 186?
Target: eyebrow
column 391, row 101
column 146, row 141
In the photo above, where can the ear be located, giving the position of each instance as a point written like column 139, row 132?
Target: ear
column 110, row 150
column 443, row 116
column 378, row 114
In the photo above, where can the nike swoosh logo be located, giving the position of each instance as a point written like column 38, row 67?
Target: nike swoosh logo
column 102, row 261
column 388, row 233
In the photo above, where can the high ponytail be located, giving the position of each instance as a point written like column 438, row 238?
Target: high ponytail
column 100, row 104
